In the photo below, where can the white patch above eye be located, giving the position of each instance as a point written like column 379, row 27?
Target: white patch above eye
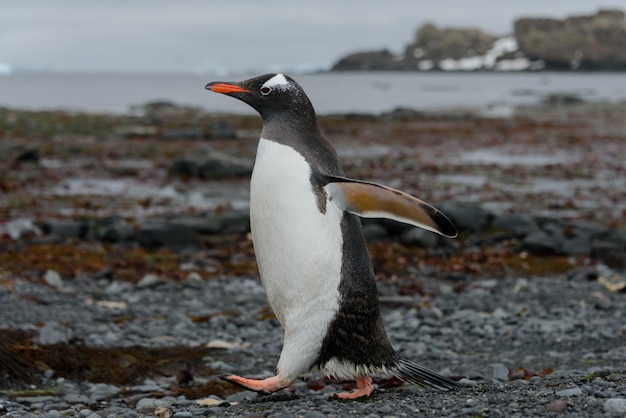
column 277, row 80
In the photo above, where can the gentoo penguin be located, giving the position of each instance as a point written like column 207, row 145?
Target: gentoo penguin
column 310, row 249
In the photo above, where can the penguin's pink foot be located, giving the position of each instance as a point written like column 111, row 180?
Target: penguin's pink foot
column 269, row 385
column 364, row 387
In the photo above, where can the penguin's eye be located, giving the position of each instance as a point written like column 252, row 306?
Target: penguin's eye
column 265, row 90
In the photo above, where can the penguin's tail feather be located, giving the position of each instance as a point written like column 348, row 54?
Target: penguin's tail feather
column 415, row 374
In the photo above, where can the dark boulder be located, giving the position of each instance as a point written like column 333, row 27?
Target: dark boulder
column 184, row 167
column 219, row 166
column 596, row 42
column 466, row 216
column 369, row 61
column 519, row 224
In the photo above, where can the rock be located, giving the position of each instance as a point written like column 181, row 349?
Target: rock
column 219, row 166
column 223, row 130
column 615, row 407
column 163, row 412
column 596, row 42
column 519, row 224
column 369, row 61
column 562, row 99
column 557, row 406
column 53, row 333
column 466, row 216
column 241, row 396
column 149, row 405
column 184, row 167
column 584, row 229
column 500, row 372
column 28, row 156
column 540, row 243
column 182, row 133
column 114, row 229
column 101, row 391
column 434, row 45
column 468, row 382
column 161, row 234
column 64, row 228
column 183, row 414
column 419, row 237
column 374, row 231
column 577, row 246
column 149, row 280
column 611, row 253
column 617, row 236
column 53, row 279
column 567, row 393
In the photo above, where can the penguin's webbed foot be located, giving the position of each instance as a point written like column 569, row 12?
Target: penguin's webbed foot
column 364, row 387
column 265, row 386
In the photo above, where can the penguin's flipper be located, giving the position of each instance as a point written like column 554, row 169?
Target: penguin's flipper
column 371, row 200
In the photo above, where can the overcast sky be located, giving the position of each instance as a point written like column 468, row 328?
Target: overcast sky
column 231, row 35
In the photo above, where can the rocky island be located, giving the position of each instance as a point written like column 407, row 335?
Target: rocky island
column 584, row 43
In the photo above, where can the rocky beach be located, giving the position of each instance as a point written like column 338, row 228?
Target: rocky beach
column 128, row 280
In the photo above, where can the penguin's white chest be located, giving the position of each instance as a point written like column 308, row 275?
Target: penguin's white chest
column 298, row 248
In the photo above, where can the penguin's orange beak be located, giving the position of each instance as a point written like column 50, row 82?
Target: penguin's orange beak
column 225, row 88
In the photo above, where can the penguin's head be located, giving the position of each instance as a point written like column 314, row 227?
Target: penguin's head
column 270, row 94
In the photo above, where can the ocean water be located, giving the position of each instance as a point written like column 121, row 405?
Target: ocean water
column 329, row 92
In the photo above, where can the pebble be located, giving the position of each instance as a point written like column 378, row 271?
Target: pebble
column 511, row 322
column 53, row 279
column 557, row 406
column 615, row 406
column 566, row 393
column 314, row 414
column 183, row 414
column 468, row 382
column 500, row 372
column 241, row 396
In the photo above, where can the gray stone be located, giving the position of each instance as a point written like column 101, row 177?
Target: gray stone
column 419, row 237
column 466, row 216
column 615, row 406
column 314, row 414
column 219, row 166
column 500, row 372
column 149, row 280
column 374, row 231
column 35, row 399
column 611, row 253
column 184, row 167
column 602, row 37
column 76, row 398
column 101, row 391
column 114, row 230
column 64, row 228
column 53, row 279
column 182, row 414
column 223, row 130
column 151, row 403
column 385, row 409
column 538, row 242
column 243, row 395
column 160, row 234
column 468, row 382
column 53, row 333
column 519, row 224
column 28, row 156
column 566, row 393
column 577, row 246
